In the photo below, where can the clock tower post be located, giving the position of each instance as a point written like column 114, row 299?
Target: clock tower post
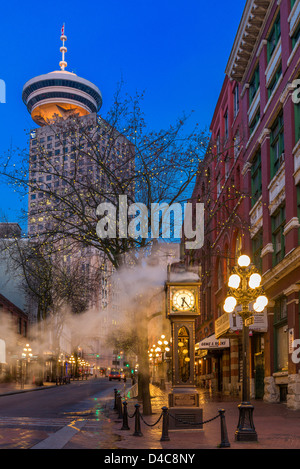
column 182, row 309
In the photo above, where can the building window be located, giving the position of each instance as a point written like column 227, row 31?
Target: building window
column 277, row 145
column 227, row 166
column 281, row 334
column 236, row 144
column 218, row 185
column 274, row 81
column 219, row 273
column 19, row 325
column 254, row 122
column 257, row 245
column 274, row 37
column 296, row 36
column 254, row 85
column 226, row 124
column 298, row 209
column 218, row 145
column 278, row 223
column 297, row 121
column 256, row 184
column 238, row 247
column 236, row 100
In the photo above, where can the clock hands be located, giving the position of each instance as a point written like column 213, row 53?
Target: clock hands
column 183, row 300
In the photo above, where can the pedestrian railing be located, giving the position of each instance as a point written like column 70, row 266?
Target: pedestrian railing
column 121, row 408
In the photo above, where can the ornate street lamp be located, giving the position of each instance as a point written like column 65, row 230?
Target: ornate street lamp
column 156, row 354
column 244, row 289
column 26, row 356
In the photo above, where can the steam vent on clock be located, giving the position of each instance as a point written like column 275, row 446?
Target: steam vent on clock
column 60, row 94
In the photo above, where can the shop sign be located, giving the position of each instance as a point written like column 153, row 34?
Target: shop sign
column 212, row 342
column 201, row 353
column 232, row 322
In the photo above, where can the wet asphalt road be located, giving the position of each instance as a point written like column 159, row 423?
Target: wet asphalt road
column 30, row 419
column 57, row 401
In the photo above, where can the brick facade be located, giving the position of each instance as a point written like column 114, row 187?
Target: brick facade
column 251, row 193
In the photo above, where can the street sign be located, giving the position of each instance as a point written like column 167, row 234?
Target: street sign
column 249, row 321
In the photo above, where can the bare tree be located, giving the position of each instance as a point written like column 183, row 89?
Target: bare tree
column 102, row 159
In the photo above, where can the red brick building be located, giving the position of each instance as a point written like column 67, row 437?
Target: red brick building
column 250, row 185
column 13, row 337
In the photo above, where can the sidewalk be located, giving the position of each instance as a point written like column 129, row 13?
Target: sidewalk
column 15, row 388
column 277, row 427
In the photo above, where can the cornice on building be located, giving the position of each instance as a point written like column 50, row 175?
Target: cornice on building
column 247, row 38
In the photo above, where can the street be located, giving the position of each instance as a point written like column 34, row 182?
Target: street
column 26, row 419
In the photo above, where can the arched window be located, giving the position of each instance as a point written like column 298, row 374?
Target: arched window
column 238, row 247
column 184, row 354
column 219, row 274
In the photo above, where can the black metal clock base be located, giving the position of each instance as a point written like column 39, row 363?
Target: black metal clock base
column 245, row 430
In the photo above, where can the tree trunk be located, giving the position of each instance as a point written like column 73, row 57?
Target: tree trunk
column 144, row 375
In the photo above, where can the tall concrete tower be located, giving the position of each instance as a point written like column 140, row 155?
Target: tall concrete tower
column 60, row 93
column 56, row 151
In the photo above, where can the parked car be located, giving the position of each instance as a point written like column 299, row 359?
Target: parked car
column 114, row 375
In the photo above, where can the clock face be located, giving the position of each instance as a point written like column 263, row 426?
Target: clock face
column 183, row 300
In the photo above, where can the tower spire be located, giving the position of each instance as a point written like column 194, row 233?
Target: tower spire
column 63, row 49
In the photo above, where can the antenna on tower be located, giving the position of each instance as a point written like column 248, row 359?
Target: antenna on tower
column 63, row 49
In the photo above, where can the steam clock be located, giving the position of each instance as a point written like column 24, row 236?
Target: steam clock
column 183, row 306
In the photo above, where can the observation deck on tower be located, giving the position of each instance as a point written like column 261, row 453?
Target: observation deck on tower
column 60, row 94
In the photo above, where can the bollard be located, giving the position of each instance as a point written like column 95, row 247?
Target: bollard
column 125, row 425
column 165, row 425
column 115, row 405
column 120, row 416
column 137, row 429
column 224, row 438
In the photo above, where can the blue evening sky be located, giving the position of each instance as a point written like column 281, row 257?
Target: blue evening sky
column 176, row 51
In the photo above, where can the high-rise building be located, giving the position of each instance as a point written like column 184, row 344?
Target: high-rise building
column 65, row 108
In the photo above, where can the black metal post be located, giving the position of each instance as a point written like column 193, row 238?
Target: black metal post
column 115, row 405
column 224, row 437
column 125, row 425
column 246, row 380
column 245, row 430
column 165, row 425
column 120, row 410
column 137, row 429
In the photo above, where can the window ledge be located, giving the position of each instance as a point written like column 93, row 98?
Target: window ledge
column 273, row 93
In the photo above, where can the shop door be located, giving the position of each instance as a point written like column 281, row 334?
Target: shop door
column 220, row 373
column 259, row 374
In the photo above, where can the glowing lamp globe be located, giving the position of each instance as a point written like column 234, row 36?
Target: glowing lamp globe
column 244, row 261
column 234, row 281
column 254, row 281
column 260, row 304
column 230, row 304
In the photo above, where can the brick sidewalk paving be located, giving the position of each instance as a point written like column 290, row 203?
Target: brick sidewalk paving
column 277, row 427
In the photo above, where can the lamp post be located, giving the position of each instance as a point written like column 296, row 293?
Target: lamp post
column 156, row 354
column 244, row 288
column 26, row 355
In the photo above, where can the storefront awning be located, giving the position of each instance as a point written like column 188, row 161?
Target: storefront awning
column 212, row 342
